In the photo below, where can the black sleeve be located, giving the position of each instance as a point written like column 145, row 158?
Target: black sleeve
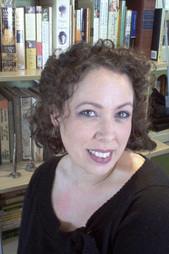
column 28, row 221
column 145, row 226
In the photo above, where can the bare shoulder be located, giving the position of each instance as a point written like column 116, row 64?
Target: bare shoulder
column 136, row 160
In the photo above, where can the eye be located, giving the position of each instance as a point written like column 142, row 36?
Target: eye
column 87, row 113
column 122, row 115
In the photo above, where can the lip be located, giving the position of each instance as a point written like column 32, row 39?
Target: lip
column 100, row 160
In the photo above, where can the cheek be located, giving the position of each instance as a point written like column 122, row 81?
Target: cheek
column 75, row 131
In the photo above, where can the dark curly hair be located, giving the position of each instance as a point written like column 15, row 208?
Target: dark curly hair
column 61, row 75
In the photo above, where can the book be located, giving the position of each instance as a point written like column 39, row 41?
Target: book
column 20, row 37
column 103, row 21
column 39, row 62
column 61, row 25
column 113, row 13
column 157, row 36
column 133, row 33
column 127, row 28
column 9, row 93
column 7, row 128
column 145, row 16
column 121, row 23
column 85, row 24
column 163, row 47
column 78, row 26
column 46, row 33
column 96, row 20
column 8, row 47
column 4, row 131
column 30, row 37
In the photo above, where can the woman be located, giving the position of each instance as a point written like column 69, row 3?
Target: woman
column 99, row 195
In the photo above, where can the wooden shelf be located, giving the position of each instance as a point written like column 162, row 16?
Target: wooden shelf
column 8, row 183
column 20, row 75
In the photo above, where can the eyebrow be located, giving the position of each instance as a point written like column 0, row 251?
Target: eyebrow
column 97, row 105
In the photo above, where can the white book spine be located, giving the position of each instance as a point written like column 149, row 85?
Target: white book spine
column 20, row 37
column 62, row 24
column 39, row 37
column 113, row 16
column 103, row 19
column 96, row 20
column 45, row 34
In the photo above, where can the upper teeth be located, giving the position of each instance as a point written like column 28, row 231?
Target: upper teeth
column 100, row 154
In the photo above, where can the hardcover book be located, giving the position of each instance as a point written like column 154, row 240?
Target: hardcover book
column 8, row 47
column 30, row 37
column 144, row 29
column 20, row 37
column 61, row 25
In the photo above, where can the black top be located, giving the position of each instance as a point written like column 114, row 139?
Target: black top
column 133, row 221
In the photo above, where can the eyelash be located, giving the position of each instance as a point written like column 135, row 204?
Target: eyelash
column 87, row 113
column 122, row 115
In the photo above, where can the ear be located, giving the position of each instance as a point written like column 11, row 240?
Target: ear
column 54, row 120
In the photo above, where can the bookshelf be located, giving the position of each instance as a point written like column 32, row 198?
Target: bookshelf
column 21, row 75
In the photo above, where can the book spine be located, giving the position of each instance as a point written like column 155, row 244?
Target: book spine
column 39, row 37
column 50, row 30
column 133, row 28
column 122, row 22
column 30, row 37
column 103, row 24
column 62, row 25
column 162, row 47
column 8, row 46
column 73, row 22
column 20, row 37
column 4, row 131
column 96, row 20
column 26, row 103
column 145, row 18
column 127, row 29
column 78, row 26
column 113, row 13
column 45, row 34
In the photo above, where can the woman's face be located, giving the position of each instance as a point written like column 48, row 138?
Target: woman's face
column 97, row 122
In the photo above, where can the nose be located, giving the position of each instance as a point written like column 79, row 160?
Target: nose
column 106, row 130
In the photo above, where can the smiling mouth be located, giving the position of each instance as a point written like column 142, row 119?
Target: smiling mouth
column 100, row 156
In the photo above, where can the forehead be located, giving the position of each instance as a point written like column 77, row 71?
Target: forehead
column 102, row 83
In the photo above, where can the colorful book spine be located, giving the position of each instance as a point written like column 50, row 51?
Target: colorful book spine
column 8, row 46
column 30, row 37
column 20, row 37
column 78, row 26
column 39, row 37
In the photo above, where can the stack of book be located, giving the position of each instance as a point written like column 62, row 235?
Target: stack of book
column 11, row 204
